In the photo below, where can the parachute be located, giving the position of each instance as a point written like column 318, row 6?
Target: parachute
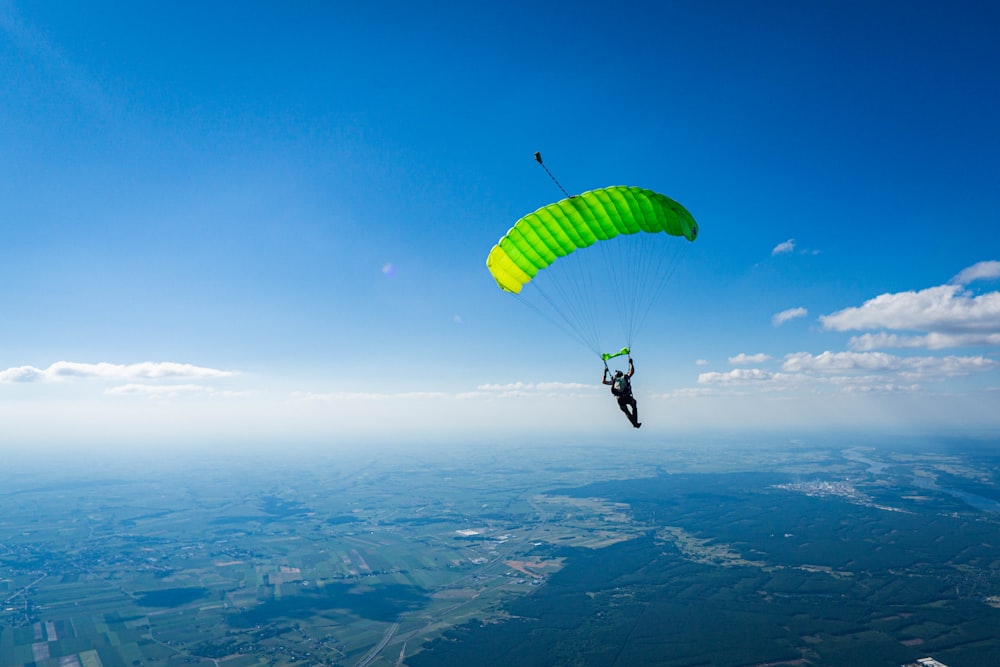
column 550, row 252
column 537, row 239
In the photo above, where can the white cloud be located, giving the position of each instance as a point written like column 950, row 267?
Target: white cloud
column 950, row 366
column 683, row 392
column 158, row 390
column 837, row 372
column 365, row 395
column 780, row 318
column 737, row 375
column 881, row 362
column 743, row 359
column 22, row 374
column 62, row 370
column 535, row 386
column 565, row 386
column 939, row 317
column 979, row 271
column 799, row 362
column 547, row 389
column 872, row 384
column 503, row 391
column 944, row 309
column 784, row 247
column 701, row 362
column 931, row 341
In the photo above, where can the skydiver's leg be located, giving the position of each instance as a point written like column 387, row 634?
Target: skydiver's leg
column 624, row 404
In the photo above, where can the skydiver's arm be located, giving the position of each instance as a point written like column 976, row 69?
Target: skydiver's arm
column 631, row 368
column 604, row 378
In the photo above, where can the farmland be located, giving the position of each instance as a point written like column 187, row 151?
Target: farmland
column 806, row 553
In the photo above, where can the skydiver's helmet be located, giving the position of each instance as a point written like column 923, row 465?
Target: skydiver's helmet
column 618, row 374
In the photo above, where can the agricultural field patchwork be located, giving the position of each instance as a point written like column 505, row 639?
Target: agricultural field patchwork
column 811, row 555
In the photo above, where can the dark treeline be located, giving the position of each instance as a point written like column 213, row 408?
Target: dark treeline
column 891, row 577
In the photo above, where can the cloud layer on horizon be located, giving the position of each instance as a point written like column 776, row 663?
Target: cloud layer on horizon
column 148, row 370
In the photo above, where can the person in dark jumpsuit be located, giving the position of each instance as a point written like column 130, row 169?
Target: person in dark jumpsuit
column 621, row 387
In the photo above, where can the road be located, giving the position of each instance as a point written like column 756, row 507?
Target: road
column 372, row 654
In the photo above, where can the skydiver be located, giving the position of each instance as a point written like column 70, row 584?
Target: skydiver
column 621, row 387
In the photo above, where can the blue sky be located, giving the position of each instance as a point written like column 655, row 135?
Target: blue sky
column 259, row 221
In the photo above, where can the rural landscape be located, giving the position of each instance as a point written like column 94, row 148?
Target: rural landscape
column 807, row 554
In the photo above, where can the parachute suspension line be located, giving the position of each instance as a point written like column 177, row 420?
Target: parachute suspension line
column 641, row 276
column 570, row 299
column 574, row 294
column 666, row 263
column 639, row 268
column 570, row 295
column 620, row 271
column 586, row 288
column 561, row 323
column 538, row 159
column 647, row 276
column 576, row 283
column 639, row 292
column 622, row 262
column 644, row 253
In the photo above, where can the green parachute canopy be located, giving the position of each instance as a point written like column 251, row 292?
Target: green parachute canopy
column 538, row 239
